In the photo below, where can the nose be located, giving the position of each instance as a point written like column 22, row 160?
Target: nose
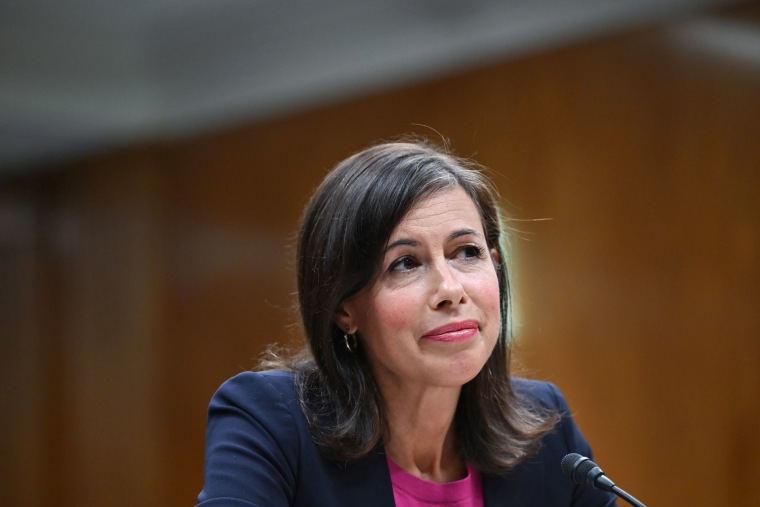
column 446, row 290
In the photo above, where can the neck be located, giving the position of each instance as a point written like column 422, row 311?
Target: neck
column 420, row 434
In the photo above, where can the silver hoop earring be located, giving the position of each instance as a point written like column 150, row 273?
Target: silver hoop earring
column 350, row 341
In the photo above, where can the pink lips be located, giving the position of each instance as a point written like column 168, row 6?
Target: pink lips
column 453, row 332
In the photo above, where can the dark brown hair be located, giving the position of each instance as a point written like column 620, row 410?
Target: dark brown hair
column 345, row 228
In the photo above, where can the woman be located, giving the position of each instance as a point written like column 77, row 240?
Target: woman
column 403, row 395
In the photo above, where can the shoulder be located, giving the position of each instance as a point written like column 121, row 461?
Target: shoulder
column 539, row 393
column 269, row 398
column 566, row 437
column 254, row 438
column 252, row 385
column 539, row 480
column 547, row 398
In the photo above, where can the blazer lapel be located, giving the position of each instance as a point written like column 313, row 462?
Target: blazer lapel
column 357, row 490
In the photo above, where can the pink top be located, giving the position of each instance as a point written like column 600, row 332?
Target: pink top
column 411, row 491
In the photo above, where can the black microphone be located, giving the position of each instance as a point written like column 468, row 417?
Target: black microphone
column 585, row 472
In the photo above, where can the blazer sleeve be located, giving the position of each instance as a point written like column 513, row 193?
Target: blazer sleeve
column 251, row 444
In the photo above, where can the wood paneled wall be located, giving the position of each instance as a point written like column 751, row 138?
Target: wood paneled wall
column 135, row 282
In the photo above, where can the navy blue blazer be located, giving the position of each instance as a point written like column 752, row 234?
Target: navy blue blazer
column 259, row 453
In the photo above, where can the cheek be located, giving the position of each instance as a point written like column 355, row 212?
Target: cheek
column 494, row 301
column 394, row 312
column 489, row 300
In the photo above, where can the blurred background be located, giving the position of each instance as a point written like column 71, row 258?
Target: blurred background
column 155, row 157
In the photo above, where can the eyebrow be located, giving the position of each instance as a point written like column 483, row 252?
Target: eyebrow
column 413, row 242
column 463, row 232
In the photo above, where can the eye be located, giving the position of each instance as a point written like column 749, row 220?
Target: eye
column 470, row 251
column 403, row 264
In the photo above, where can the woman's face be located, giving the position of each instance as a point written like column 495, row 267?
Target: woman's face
column 431, row 317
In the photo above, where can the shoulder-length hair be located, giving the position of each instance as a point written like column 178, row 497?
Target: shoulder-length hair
column 344, row 230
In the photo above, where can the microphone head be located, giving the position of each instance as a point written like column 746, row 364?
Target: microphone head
column 570, row 462
column 585, row 472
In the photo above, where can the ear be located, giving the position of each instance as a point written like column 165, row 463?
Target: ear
column 342, row 318
column 495, row 257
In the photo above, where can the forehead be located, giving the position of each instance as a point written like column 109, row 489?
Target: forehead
column 449, row 207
